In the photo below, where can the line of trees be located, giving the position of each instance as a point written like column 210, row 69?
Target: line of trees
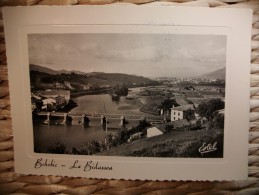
column 209, row 110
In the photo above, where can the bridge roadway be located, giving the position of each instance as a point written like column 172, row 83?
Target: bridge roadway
column 106, row 115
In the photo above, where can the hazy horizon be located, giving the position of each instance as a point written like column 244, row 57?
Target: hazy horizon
column 150, row 77
column 148, row 55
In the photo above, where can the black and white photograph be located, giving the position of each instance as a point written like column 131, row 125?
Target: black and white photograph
column 126, row 94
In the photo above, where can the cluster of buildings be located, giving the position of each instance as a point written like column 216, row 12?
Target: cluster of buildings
column 174, row 80
column 65, row 85
column 49, row 100
column 182, row 118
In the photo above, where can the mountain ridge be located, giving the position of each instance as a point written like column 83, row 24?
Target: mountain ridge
column 51, row 71
column 217, row 74
column 46, row 75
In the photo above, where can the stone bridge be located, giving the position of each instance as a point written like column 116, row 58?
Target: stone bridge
column 86, row 117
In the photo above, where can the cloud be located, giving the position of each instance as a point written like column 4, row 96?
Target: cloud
column 202, row 54
column 145, row 53
column 129, row 53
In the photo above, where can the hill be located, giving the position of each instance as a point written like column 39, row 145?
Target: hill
column 118, row 78
column 44, row 77
column 218, row 74
column 34, row 67
column 173, row 144
column 38, row 68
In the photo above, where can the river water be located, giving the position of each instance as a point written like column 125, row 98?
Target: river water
column 76, row 135
column 103, row 104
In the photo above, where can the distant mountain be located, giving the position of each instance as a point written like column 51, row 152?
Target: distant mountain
column 50, row 71
column 218, row 74
column 42, row 69
column 94, row 73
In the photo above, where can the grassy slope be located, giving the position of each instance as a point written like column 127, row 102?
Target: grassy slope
column 174, row 144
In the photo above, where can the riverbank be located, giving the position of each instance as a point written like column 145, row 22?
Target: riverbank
column 69, row 106
column 87, row 92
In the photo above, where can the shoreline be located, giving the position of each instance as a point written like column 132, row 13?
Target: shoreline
column 97, row 92
column 69, row 106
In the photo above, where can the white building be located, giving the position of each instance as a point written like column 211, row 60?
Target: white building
column 154, row 131
column 47, row 102
column 180, row 112
column 179, row 125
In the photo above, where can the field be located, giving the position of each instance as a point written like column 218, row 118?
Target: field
column 174, row 144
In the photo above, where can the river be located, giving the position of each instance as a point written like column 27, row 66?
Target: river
column 103, row 104
column 77, row 135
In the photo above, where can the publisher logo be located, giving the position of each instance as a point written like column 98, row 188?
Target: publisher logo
column 206, row 148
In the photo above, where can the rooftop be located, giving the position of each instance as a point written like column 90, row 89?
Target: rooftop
column 184, row 107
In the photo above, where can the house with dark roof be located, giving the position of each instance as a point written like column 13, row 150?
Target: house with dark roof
column 178, row 125
column 182, row 112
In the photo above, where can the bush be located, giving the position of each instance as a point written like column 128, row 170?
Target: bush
column 219, row 121
column 90, row 148
column 57, row 148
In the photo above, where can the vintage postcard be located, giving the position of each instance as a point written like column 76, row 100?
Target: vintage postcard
column 135, row 96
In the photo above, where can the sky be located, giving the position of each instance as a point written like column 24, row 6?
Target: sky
column 148, row 55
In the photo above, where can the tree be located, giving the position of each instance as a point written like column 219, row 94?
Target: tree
column 189, row 114
column 206, row 109
column 169, row 128
column 122, row 137
column 120, row 90
column 57, row 148
column 218, row 121
column 168, row 103
column 94, row 147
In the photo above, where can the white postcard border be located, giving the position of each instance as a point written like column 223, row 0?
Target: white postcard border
column 234, row 164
